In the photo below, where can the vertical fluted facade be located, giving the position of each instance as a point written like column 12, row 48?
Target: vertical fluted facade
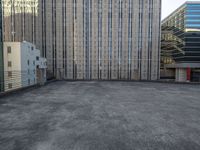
column 1, row 53
column 90, row 39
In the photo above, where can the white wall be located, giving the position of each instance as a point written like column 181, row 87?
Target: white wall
column 28, row 70
column 181, row 75
column 15, row 69
column 24, row 64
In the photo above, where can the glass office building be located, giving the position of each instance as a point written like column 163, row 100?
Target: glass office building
column 90, row 39
column 1, row 53
column 181, row 34
column 181, row 37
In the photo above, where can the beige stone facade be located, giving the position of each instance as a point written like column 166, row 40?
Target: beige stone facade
column 90, row 39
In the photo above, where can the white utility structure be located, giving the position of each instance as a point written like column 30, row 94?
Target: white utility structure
column 23, row 65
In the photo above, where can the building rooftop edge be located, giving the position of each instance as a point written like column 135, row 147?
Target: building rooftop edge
column 22, row 42
column 181, row 6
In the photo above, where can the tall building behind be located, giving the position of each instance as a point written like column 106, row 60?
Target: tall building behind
column 181, row 41
column 90, row 39
column 1, row 53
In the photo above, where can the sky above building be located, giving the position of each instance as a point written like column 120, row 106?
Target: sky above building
column 168, row 6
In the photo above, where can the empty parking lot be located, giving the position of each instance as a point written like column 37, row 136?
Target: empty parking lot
column 102, row 116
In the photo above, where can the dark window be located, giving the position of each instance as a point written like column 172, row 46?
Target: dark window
column 37, row 58
column 28, row 62
column 9, row 64
column 10, row 85
column 9, row 49
column 10, row 74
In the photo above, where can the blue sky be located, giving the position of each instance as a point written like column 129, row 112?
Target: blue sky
column 169, row 6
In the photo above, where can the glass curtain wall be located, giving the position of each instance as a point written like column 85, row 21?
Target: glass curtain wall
column 181, row 35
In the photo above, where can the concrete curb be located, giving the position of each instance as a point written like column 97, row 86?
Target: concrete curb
column 158, row 81
column 17, row 91
column 4, row 94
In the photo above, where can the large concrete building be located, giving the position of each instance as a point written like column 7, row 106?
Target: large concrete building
column 23, row 65
column 181, row 43
column 90, row 39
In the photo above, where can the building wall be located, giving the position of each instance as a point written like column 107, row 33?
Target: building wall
column 21, row 61
column 13, row 71
column 1, row 53
column 91, row 39
column 28, row 64
column 181, row 75
column 181, row 34
column 181, row 40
